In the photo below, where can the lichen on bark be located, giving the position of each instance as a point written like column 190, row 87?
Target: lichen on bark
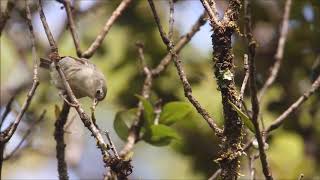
column 231, row 147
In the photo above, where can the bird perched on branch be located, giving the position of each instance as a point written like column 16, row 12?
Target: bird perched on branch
column 84, row 78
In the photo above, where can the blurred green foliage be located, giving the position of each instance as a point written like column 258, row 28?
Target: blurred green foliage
column 294, row 148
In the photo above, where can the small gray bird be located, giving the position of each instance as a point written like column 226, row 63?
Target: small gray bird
column 83, row 77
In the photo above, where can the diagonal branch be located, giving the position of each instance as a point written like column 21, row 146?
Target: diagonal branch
column 83, row 116
column 155, row 72
column 279, row 121
column 212, row 12
column 292, row 108
column 246, row 77
column 7, row 133
column 29, row 131
column 279, row 54
column 253, row 91
column 186, row 85
column 98, row 41
column 180, row 44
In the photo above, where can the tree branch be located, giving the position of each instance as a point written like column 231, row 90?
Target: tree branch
column 6, row 135
column 182, row 75
column 253, row 91
column 279, row 54
column 246, row 77
column 60, row 144
column 72, row 27
column 98, row 41
column 135, row 128
column 25, row 136
column 277, row 123
column 180, row 44
column 212, row 12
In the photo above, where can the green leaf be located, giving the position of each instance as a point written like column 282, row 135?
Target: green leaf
column 122, row 122
column 160, row 135
column 148, row 111
column 246, row 120
column 174, row 111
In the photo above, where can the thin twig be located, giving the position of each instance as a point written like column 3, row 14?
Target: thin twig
column 135, row 128
column 52, row 43
column 72, row 27
column 25, row 136
column 60, row 144
column 215, row 175
column 253, row 92
column 82, row 114
column 7, row 133
column 112, row 146
column 246, row 77
column 4, row 16
column 134, row 131
column 180, row 44
column 171, row 19
column 280, row 120
column 98, row 41
column 186, row 85
column 212, row 12
column 279, row 54
column 315, row 86
column 252, row 169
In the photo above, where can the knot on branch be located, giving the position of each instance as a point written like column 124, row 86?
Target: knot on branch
column 54, row 56
column 122, row 168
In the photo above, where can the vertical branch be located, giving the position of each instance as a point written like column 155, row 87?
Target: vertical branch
column 53, row 46
column 134, row 132
column 98, row 41
column 279, row 54
column 223, row 59
column 60, row 144
column 246, row 77
column 253, row 92
column 72, row 27
column 82, row 114
column 171, row 19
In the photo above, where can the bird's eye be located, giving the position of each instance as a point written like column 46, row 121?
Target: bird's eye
column 98, row 92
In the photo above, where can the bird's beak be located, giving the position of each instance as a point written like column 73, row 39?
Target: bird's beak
column 95, row 103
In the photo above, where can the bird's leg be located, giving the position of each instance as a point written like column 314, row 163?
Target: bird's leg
column 63, row 96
